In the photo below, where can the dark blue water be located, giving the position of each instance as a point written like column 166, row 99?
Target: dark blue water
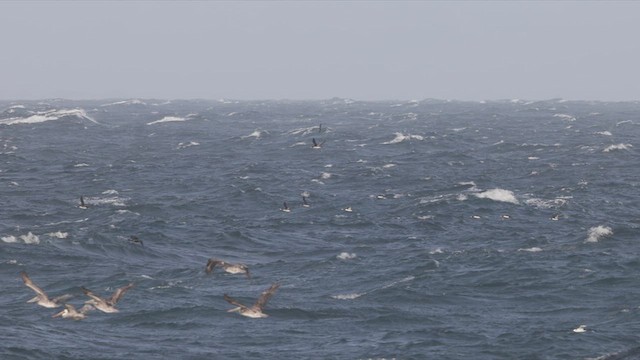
column 478, row 230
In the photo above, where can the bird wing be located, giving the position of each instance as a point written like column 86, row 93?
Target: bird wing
column 61, row 298
column 211, row 264
column 266, row 295
column 314, row 141
column 233, row 301
column 90, row 294
column 119, row 293
column 31, row 285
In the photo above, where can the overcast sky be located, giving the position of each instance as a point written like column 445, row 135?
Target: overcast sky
column 364, row 50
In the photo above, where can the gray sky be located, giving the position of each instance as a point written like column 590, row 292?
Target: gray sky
column 365, row 50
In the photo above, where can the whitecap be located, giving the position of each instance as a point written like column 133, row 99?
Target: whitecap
column 256, row 134
column 347, row 296
column 531, row 249
column 9, row 239
column 605, row 133
column 186, row 145
column 325, row 175
column 30, row 238
column 110, row 192
column 126, row 102
column 617, row 147
column 400, row 137
column 168, row 119
column 49, row 115
column 499, row 195
column 59, row 234
column 598, row 232
column 81, row 165
column 386, row 166
column 566, row 117
column 546, row 204
column 346, row 256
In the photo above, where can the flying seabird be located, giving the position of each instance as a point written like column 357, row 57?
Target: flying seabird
column 106, row 305
column 82, row 204
column 228, row 267
column 304, row 202
column 254, row 311
column 70, row 312
column 42, row 299
column 285, row 207
column 315, row 144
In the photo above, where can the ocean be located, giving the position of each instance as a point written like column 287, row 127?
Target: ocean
column 436, row 229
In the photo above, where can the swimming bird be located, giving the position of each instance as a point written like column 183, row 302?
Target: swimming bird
column 82, row 204
column 254, row 311
column 41, row 298
column 304, row 202
column 315, row 144
column 228, row 267
column 106, row 305
column 285, row 207
column 134, row 239
column 70, row 312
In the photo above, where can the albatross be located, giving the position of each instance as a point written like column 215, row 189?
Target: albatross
column 228, row 267
column 254, row 311
column 41, row 298
column 106, row 305
column 70, row 312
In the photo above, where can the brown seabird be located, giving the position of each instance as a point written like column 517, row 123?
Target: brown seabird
column 70, row 312
column 106, row 305
column 41, row 298
column 254, row 311
column 228, row 267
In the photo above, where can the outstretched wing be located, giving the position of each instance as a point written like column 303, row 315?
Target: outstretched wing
column 266, row 295
column 62, row 298
column 314, row 141
column 31, row 285
column 119, row 293
column 233, row 301
column 90, row 294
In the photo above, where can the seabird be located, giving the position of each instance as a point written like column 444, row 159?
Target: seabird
column 315, row 144
column 106, row 305
column 136, row 240
column 228, row 267
column 42, row 299
column 348, row 209
column 304, row 202
column 82, row 204
column 555, row 217
column 285, row 207
column 70, row 312
column 254, row 311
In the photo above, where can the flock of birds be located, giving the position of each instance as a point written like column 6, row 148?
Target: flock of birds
column 108, row 305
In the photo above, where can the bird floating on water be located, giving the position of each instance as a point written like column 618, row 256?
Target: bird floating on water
column 106, row 305
column 304, row 202
column 254, row 311
column 285, row 207
column 228, row 267
column 41, row 298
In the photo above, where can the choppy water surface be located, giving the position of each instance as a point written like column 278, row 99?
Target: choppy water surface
column 477, row 230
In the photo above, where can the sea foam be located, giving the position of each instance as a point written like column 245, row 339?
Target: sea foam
column 400, row 137
column 598, row 232
column 167, row 119
column 498, row 195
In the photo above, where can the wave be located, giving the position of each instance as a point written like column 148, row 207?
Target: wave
column 346, row 256
column 28, row 238
column 186, row 145
column 126, row 102
column 617, row 147
column 598, row 232
column 400, row 137
column 50, row 115
column 256, row 134
column 501, row 195
column 167, row 119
